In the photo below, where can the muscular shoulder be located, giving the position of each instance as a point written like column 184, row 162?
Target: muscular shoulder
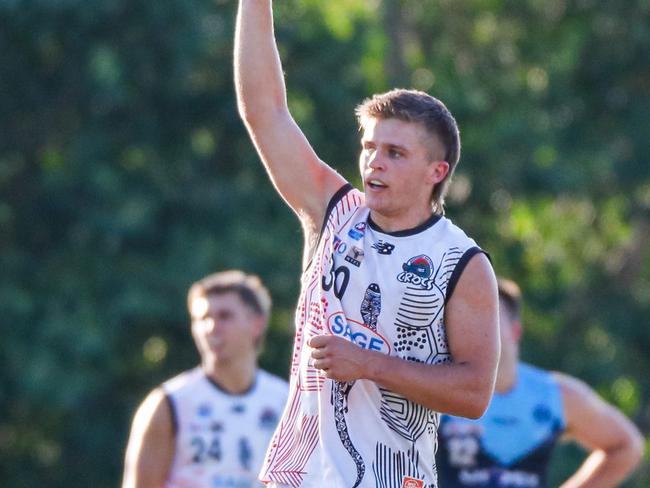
column 154, row 412
column 572, row 388
column 182, row 381
column 580, row 403
column 473, row 280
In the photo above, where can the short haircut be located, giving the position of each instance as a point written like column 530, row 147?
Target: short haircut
column 421, row 108
column 510, row 294
column 250, row 289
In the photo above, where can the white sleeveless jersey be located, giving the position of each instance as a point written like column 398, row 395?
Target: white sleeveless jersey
column 384, row 292
column 221, row 438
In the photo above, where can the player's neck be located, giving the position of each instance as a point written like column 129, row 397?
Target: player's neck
column 506, row 376
column 403, row 222
column 235, row 376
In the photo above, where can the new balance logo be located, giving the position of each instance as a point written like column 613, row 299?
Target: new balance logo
column 382, row 247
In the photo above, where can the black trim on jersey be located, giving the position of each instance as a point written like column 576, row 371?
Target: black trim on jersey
column 430, row 222
column 173, row 412
column 336, row 198
column 460, row 267
column 229, row 393
column 340, row 193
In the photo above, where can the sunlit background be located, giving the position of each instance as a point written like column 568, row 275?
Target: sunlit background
column 126, row 174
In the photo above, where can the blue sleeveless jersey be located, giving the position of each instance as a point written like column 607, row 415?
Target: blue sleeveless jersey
column 511, row 445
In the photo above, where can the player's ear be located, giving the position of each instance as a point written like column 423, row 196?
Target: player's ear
column 517, row 330
column 259, row 325
column 438, row 170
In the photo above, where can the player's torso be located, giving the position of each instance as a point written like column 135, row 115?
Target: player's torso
column 221, row 439
column 391, row 288
column 384, row 292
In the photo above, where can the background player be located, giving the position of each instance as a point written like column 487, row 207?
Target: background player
column 210, row 426
column 511, row 445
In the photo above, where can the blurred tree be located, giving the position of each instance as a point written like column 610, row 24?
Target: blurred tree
column 125, row 174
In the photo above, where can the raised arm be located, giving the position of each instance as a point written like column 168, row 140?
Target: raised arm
column 463, row 388
column 615, row 443
column 303, row 180
column 150, row 450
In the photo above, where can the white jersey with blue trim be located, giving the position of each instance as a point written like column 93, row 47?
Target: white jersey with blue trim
column 221, row 438
column 384, row 292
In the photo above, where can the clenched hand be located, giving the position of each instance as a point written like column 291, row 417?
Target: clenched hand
column 339, row 358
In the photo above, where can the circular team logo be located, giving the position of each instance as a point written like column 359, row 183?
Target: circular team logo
column 417, row 271
column 421, row 266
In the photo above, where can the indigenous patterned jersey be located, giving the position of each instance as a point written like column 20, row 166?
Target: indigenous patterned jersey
column 221, row 438
column 511, row 445
column 384, row 292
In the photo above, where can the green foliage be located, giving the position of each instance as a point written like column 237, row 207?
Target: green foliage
column 126, row 174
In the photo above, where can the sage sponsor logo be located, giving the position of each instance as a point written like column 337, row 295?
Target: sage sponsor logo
column 356, row 332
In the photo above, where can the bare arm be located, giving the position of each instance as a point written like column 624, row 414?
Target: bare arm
column 462, row 388
column 303, row 180
column 615, row 443
column 150, row 450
